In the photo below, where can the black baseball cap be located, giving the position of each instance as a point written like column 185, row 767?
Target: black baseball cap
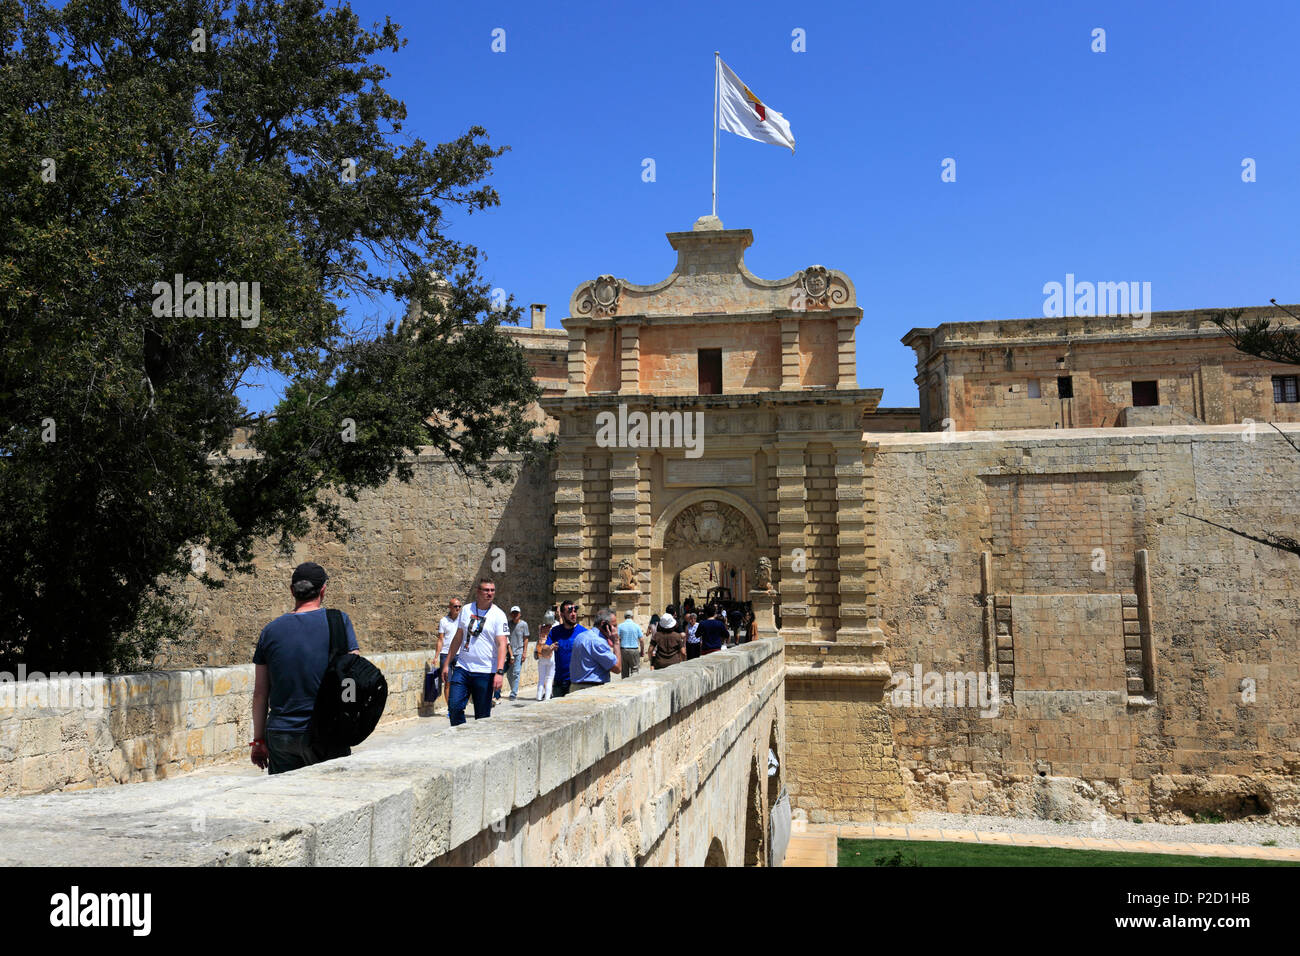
column 309, row 571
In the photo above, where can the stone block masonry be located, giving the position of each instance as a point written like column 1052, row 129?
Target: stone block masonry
column 154, row 725
column 667, row 769
column 1100, row 586
column 415, row 546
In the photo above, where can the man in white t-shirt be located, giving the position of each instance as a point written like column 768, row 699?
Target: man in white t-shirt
column 446, row 631
column 479, row 650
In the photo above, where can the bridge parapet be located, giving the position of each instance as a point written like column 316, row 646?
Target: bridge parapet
column 73, row 733
column 666, row 768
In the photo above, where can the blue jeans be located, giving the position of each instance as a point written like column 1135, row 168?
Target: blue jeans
column 462, row 685
column 515, row 673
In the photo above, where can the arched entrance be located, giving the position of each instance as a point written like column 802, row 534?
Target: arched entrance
column 697, row 580
column 709, row 525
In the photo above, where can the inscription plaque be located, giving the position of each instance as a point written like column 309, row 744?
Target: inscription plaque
column 708, row 472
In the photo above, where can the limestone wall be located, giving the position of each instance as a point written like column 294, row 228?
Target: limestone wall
column 665, row 768
column 416, row 545
column 842, row 753
column 669, row 363
column 1062, row 516
column 134, row 727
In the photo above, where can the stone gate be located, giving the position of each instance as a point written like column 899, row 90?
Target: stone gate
column 715, row 415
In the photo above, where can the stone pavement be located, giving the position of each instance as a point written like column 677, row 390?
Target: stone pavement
column 393, row 732
column 814, row 844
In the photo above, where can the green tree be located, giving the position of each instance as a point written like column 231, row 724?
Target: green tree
column 1268, row 338
column 227, row 144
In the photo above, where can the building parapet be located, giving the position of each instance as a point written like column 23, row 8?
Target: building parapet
column 887, row 442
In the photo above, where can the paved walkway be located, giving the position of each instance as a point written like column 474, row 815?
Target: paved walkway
column 394, row 731
column 814, row 844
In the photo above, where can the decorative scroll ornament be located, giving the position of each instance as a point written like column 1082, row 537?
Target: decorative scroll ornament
column 600, row 297
column 710, row 524
column 821, row 288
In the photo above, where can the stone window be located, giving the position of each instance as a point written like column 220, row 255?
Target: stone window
column 1145, row 394
column 1034, row 391
column 710, row 371
column 1065, row 386
column 1284, row 388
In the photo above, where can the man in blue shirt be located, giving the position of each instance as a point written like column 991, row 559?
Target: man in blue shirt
column 631, row 643
column 291, row 657
column 562, row 636
column 596, row 654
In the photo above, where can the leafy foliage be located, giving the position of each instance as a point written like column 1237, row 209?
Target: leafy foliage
column 1262, row 336
column 133, row 149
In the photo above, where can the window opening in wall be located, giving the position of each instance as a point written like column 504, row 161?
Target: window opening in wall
column 1034, row 390
column 710, row 361
column 1065, row 386
column 1145, row 394
column 1285, row 388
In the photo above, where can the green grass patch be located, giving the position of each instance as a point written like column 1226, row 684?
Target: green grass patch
column 935, row 853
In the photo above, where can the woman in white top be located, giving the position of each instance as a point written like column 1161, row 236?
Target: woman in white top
column 693, row 646
column 545, row 658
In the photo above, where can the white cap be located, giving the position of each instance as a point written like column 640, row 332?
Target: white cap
column 667, row 622
column 627, row 614
column 515, row 610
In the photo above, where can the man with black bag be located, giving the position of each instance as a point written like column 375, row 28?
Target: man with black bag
column 292, row 657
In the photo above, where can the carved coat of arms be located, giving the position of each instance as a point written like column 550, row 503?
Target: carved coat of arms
column 708, row 525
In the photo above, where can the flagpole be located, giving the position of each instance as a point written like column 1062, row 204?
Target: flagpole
column 717, row 72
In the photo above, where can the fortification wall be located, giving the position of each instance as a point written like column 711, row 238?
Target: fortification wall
column 1063, row 517
column 415, row 546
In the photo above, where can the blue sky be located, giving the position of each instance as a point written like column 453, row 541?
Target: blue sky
column 1115, row 166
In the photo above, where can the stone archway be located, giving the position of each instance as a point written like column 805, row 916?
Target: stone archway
column 706, row 525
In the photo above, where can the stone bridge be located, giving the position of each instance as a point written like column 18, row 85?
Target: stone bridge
column 667, row 768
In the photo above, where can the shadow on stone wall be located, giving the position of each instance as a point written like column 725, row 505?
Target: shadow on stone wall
column 413, row 547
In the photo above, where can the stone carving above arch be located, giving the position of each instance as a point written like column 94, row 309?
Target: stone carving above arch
column 599, row 297
column 709, row 524
column 712, row 527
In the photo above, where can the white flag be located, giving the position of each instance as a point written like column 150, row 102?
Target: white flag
column 743, row 113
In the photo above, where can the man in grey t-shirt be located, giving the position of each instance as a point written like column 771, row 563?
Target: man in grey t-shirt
column 518, row 645
column 291, row 657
